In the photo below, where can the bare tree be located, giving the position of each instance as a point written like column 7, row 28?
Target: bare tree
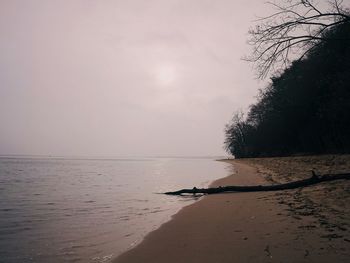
column 235, row 135
column 296, row 27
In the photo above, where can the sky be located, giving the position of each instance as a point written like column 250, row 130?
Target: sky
column 123, row 78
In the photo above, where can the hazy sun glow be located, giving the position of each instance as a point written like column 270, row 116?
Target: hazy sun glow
column 152, row 67
column 165, row 75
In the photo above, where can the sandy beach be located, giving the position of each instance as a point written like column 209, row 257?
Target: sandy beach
column 302, row 225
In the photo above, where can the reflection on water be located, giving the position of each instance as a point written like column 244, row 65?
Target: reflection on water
column 61, row 210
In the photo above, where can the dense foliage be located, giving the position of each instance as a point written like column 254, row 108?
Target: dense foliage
column 305, row 109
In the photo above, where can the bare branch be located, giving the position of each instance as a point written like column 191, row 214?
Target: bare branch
column 293, row 29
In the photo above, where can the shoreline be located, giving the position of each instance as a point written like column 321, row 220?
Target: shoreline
column 239, row 227
column 196, row 199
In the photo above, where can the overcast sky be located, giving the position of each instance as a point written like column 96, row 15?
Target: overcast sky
column 131, row 77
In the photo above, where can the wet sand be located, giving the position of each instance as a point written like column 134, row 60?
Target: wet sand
column 283, row 226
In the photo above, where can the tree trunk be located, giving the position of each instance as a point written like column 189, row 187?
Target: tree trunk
column 315, row 179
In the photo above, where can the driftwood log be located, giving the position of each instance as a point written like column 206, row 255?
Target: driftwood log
column 314, row 179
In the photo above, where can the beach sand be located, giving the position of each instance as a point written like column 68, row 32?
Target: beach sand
column 302, row 225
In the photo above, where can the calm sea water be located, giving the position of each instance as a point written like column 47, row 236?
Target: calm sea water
column 77, row 210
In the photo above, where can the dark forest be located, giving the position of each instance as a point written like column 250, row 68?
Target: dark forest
column 305, row 109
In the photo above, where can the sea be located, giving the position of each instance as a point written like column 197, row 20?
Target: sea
column 59, row 209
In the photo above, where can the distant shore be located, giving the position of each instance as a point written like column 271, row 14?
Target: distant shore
column 302, row 225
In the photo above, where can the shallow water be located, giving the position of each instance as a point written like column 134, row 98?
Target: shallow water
column 90, row 210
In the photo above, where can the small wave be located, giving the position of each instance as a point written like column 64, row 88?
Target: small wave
column 77, row 259
column 7, row 209
column 157, row 211
column 137, row 200
column 89, row 201
column 102, row 259
column 125, row 218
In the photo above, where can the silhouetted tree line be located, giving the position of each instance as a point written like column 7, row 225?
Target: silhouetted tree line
column 305, row 109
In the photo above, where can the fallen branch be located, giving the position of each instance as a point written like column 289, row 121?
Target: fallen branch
column 314, row 179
